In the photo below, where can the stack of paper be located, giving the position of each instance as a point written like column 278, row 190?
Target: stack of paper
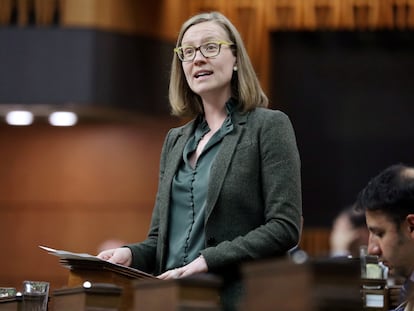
column 82, row 261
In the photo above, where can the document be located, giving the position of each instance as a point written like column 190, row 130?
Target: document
column 83, row 261
column 69, row 255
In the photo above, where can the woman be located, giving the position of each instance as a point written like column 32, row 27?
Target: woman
column 229, row 183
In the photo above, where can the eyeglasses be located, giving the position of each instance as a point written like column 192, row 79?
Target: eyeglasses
column 209, row 49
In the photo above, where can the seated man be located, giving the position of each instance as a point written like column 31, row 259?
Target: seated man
column 388, row 202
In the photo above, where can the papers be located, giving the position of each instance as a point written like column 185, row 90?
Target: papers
column 83, row 261
column 69, row 255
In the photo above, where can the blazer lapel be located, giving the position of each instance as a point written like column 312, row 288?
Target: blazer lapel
column 223, row 160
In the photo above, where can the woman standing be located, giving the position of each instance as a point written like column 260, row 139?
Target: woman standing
column 229, row 184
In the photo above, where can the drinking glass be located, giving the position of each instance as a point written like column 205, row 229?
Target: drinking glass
column 35, row 295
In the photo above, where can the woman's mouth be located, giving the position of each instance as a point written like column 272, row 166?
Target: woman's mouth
column 202, row 73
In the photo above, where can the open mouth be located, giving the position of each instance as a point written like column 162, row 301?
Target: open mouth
column 202, row 74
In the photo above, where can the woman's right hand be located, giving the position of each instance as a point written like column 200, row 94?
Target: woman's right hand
column 121, row 256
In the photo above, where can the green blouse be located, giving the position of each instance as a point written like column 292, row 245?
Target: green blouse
column 189, row 192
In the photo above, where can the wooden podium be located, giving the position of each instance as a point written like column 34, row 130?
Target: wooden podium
column 88, row 268
column 194, row 293
column 103, row 273
column 90, row 296
column 316, row 285
column 96, row 284
column 197, row 293
column 276, row 285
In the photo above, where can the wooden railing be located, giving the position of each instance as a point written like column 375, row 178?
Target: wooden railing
column 26, row 12
column 251, row 16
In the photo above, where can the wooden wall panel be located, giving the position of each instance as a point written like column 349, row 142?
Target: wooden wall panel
column 127, row 16
column 6, row 8
column 173, row 13
column 200, row 6
column 315, row 241
column 322, row 14
column 249, row 18
column 73, row 188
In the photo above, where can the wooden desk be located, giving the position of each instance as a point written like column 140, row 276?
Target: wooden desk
column 276, row 285
column 88, row 297
column 195, row 293
column 11, row 304
column 78, row 277
column 316, row 285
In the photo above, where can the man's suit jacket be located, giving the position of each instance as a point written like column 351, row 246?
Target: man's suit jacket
column 253, row 207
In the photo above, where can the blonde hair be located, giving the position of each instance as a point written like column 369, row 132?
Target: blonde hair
column 245, row 85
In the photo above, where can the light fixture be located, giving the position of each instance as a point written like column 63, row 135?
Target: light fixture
column 63, row 118
column 19, row 117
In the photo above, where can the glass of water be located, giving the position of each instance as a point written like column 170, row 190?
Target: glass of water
column 35, row 295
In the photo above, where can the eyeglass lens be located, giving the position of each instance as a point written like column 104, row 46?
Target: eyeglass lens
column 210, row 49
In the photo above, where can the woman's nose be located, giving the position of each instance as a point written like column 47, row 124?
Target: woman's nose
column 199, row 56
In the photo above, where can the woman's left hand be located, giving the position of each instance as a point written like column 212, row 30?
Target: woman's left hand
column 198, row 265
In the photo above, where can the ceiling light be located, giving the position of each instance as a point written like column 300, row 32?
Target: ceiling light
column 63, row 118
column 19, row 117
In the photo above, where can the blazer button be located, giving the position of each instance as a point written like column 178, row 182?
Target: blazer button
column 211, row 242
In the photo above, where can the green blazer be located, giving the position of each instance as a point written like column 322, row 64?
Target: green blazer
column 253, row 207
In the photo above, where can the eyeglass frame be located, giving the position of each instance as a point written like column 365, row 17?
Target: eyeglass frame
column 220, row 43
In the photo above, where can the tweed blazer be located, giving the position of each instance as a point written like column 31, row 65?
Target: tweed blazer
column 253, row 208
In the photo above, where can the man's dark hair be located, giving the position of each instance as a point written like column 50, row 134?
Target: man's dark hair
column 391, row 192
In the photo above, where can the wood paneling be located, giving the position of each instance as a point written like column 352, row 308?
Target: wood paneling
column 6, row 8
column 161, row 19
column 73, row 188
column 315, row 241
